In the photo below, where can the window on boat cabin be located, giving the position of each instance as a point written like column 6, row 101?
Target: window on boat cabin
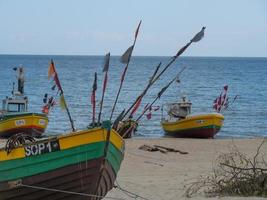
column 16, row 107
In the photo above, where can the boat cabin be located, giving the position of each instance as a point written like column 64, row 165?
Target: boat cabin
column 180, row 109
column 18, row 104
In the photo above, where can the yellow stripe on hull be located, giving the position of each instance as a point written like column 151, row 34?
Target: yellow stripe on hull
column 21, row 122
column 72, row 140
column 194, row 122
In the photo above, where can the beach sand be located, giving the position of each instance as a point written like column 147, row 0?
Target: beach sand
column 158, row 176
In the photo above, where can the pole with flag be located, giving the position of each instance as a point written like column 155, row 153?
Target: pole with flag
column 94, row 88
column 105, row 69
column 125, row 59
column 220, row 102
column 149, row 106
column 158, row 96
column 196, row 38
column 53, row 73
column 138, row 100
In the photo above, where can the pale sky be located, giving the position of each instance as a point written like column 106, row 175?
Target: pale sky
column 94, row 27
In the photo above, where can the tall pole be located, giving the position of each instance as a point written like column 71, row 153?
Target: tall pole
column 105, row 69
column 196, row 38
column 125, row 70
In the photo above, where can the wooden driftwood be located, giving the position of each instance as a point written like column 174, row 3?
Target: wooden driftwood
column 149, row 148
column 161, row 149
column 171, row 149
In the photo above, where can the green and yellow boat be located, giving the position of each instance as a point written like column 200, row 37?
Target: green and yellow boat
column 78, row 165
column 14, row 116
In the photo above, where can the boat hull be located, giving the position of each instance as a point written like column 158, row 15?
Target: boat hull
column 80, row 166
column 196, row 126
column 33, row 124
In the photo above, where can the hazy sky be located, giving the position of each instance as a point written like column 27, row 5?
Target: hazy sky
column 94, row 27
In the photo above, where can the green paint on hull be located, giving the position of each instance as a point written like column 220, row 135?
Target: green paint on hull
column 114, row 157
column 28, row 166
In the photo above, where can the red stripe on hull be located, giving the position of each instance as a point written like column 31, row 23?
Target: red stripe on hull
column 195, row 133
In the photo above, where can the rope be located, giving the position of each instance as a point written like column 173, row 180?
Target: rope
column 67, row 192
column 128, row 193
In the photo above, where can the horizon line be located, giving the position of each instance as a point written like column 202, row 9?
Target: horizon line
column 84, row 55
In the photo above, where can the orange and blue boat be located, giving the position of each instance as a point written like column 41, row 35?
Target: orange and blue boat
column 180, row 122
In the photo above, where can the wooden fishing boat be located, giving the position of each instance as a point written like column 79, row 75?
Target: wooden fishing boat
column 33, row 124
column 181, row 124
column 78, row 165
column 14, row 116
column 127, row 128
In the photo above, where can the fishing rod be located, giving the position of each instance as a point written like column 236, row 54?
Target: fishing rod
column 196, row 38
column 126, row 57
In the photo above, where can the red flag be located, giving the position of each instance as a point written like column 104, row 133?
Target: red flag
column 136, row 106
column 52, row 72
column 149, row 113
column 137, row 30
column 57, row 82
column 220, row 102
column 150, row 110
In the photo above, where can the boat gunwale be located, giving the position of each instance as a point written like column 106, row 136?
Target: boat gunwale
column 193, row 117
column 67, row 136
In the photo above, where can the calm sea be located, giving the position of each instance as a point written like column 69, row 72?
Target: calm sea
column 202, row 82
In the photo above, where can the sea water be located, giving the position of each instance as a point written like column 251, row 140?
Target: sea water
column 202, row 81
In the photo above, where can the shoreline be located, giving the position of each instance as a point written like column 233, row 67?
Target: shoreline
column 158, row 176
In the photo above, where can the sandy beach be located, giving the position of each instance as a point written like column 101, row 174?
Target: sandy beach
column 158, row 176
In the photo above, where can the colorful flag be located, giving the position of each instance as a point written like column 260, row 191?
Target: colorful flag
column 199, row 35
column 221, row 101
column 125, row 58
column 150, row 110
column 137, row 30
column 136, row 106
column 51, row 69
column 106, row 65
column 62, row 102
column 52, row 73
column 57, row 82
